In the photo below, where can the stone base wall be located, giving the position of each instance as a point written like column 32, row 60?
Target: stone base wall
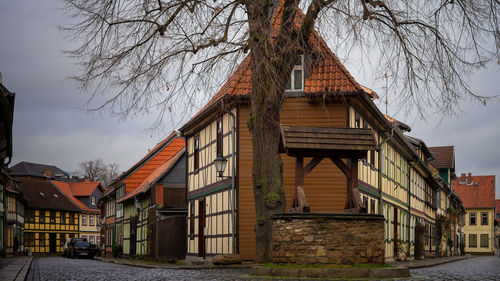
column 328, row 238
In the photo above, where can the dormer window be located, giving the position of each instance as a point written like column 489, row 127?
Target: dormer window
column 296, row 81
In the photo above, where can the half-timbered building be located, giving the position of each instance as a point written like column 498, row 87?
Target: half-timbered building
column 131, row 223
column 50, row 216
column 323, row 101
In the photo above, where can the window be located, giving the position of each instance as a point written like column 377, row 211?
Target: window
column 84, row 219
column 62, row 239
column 93, row 200
column 71, row 218
column 296, row 82
column 365, row 203
column 91, row 219
column 62, row 219
column 196, row 152
column 30, row 216
column 92, row 239
column 484, row 218
column 484, row 240
column 119, row 207
column 191, row 220
column 220, row 137
column 357, row 120
column 30, row 239
column 42, row 217
column 472, row 219
column 472, row 240
column 372, row 157
column 52, row 217
column 41, row 237
column 372, row 206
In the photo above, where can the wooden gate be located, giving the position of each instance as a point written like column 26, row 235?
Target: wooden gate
column 133, row 235
column 172, row 233
column 151, row 236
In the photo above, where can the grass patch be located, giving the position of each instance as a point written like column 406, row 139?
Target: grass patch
column 357, row 265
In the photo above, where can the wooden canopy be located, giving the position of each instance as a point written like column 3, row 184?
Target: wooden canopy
column 332, row 143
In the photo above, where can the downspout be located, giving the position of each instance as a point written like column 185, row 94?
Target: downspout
column 409, row 204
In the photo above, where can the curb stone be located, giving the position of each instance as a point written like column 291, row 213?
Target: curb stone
column 23, row 272
column 332, row 272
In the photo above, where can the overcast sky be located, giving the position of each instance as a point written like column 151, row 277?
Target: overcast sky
column 51, row 128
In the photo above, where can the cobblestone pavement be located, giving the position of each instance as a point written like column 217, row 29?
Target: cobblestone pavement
column 56, row 268
column 478, row 268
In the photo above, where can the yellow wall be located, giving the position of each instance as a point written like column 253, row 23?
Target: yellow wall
column 479, row 229
column 41, row 231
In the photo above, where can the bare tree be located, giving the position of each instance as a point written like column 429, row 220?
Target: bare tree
column 97, row 170
column 157, row 53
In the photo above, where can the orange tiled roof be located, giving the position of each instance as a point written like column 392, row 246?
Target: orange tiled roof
column 444, row 157
column 328, row 74
column 475, row 191
column 65, row 188
column 84, row 188
column 154, row 176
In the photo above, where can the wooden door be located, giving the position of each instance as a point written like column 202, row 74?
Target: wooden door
column 133, row 235
column 201, row 228
column 52, row 242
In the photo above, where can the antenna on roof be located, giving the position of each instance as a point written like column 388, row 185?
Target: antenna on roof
column 386, row 93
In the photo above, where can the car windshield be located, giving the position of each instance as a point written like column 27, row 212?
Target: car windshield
column 82, row 244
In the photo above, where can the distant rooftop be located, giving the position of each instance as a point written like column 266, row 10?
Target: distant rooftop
column 37, row 170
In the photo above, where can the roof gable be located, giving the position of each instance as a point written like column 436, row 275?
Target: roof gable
column 327, row 74
column 66, row 188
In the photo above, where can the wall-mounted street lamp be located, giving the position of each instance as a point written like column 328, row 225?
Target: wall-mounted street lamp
column 220, row 165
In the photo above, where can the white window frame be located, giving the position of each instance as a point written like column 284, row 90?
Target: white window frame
column 292, row 76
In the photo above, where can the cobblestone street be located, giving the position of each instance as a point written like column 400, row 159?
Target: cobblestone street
column 56, row 268
column 479, row 268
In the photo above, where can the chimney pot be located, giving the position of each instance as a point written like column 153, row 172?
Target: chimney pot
column 462, row 177
column 47, row 173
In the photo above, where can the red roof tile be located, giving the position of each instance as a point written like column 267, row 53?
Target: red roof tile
column 444, row 157
column 84, row 188
column 157, row 174
column 65, row 187
column 475, row 191
column 327, row 75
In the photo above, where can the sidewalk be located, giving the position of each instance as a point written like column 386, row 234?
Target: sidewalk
column 428, row 262
column 14, row 269
column 181, row 265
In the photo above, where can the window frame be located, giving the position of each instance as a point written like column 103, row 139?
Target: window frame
column 472, row 215
column 219, row 126
column 487, row 244
column 482, row 218
column 196, row 152
column 472, row 235
column 291, row 80
column 84, row 219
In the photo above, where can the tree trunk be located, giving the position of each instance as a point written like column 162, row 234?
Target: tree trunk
column 271, row 65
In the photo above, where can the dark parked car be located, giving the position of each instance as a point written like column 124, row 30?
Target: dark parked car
column 94, row 249
column 80, row 249
column 68, row 243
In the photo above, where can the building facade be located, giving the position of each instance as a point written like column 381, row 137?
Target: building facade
column 14, row 238
column 50, row 216
column 478, row 196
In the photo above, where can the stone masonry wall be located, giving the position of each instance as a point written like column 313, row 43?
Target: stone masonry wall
column 328, row 238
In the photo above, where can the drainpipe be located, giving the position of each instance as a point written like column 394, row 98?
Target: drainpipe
column 380, row 169
column 409, row 204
